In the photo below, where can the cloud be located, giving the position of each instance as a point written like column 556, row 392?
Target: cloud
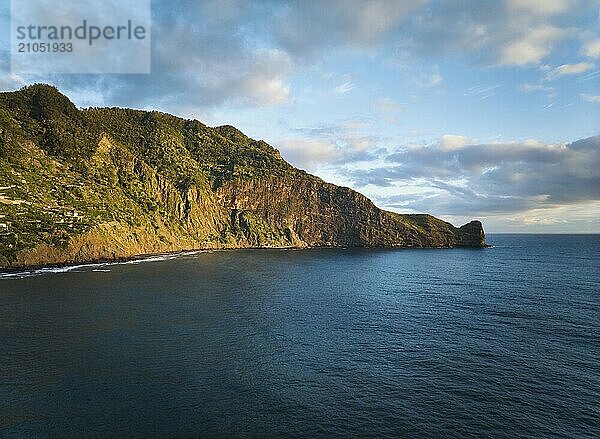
column 344, row 88
column 201, row 58
column 482, row 92
column 453, row 142
column 531, row 47
column 239, row 53
column 522, row 33
column 309, row 153
column 335, row 144
column 436, row 78
column 480, row 179
column 389, row 108
column 540, row 8
column 591, row 49
column 11, row 82
column 265, row 83
column 388, row 105
column 306, row 27
column 250, row 78
column 534, row 28
column 530, row 88
column 450, row 29
column 569, row 69
column 595, row 99
column 236, row 53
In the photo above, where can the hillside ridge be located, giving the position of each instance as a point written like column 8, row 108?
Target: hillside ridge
column 101, row 184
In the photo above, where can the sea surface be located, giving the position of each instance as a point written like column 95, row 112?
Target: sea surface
column 501, row 342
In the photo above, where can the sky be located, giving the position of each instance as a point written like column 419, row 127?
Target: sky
column 476, row 109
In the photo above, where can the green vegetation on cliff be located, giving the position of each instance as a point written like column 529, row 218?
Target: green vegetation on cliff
column 106, row 183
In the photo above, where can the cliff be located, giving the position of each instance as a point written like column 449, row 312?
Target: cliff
column 110, row 183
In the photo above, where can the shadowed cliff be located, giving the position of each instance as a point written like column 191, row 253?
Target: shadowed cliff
column 111, row 183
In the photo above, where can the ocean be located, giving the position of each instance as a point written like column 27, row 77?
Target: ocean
column 501, row 342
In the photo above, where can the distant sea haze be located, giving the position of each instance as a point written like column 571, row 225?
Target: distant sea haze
column 500, row 342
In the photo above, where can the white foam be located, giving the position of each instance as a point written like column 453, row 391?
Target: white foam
column 150, row 259
column 98, row 267
column 46, row 270
column 159, row 258
column 15, row 275
column 62, row 269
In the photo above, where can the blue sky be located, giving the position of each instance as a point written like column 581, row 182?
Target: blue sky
column 463, row 109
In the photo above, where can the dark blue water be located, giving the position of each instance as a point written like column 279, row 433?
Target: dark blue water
column 501, row 342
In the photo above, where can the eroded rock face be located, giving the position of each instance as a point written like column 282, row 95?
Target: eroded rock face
column 471, row 235
column 107, row 184
column 321, row 214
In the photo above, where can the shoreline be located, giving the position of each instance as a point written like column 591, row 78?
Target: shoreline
column 147, row 256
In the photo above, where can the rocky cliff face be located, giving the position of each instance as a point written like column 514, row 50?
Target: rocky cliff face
column 104, row 184
column 314, row 213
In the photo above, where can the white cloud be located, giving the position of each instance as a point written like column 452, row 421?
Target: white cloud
column 495, row 179
column 266, row 90
column 376, row 17
column 11, row 82
column 306, row 27
column 343, row 142
column 595, row 99
column 358, row 144
column 530, row 88
column 217, row 60
column 265, row 85
column 309, row 153
column 436, row 78
column 344, row 88
column 388, row 105
column 452, row 142
column 569, row 69
column 591, row 49
column 532, row 47
column 539, row 7
column 482, row 91
column 524, row 32
column 389, row 108
column 557, row 219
